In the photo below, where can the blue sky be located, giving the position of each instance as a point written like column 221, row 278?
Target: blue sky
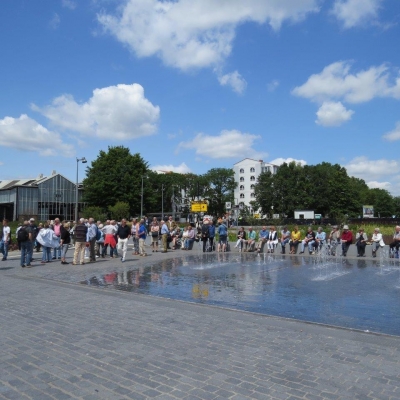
column 197, row 84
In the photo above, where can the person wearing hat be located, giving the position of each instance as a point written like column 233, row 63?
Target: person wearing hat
column 346, row 239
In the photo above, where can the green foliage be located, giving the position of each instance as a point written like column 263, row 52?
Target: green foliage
column 219, row 184
column 115, row 176
column 119, row 210
column 95, row 212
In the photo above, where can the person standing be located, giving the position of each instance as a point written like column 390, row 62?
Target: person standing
column 81, row 231
column 205, row 232
column 5, row 239
column 123, row 235
column 65, row 241
column 109, row 232
column 223, row 237
column 91, row 239
column 48, row 239
column 57, row 231
column 155, row 232
column 142, row 234
column 135, row 238
column 211, row 234
column 164, row 236
column 24, row 237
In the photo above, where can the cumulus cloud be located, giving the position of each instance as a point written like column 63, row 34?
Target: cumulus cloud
column 394, row 134
column 369, row 170
column 354, row 13
column 25, row 134
column 69, row 4
column 115, row 112
column 333, row 114
column 336, row 82
column 280, row 161
column 228, row 144
column 55, row 21
column 235, row 80
column 194, row 34
column 181, row 169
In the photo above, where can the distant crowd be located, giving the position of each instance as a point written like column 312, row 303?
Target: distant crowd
column 92, row 239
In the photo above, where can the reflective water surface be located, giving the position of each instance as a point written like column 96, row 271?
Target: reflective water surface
column 349, row 293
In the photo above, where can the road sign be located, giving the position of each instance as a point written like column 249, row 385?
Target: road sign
column 228, row 205
column 198, row 206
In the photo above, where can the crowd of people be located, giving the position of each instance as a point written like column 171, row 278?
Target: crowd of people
column 314, row 241
column 92, row 239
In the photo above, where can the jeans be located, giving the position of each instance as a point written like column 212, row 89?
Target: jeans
column 188, row 243
column 57, row 252
column 4, row 249
column 309, row 244
column 64, row 250
column 135, row 244
column 26, row 252
column 46, row 253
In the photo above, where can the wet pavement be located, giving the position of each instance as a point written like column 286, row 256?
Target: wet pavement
column 88, row 332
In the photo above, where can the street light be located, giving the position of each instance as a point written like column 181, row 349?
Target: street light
column 141, row 200
column 84, row 161
column 162, row 201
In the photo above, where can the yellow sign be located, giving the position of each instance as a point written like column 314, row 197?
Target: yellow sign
column 199, row 206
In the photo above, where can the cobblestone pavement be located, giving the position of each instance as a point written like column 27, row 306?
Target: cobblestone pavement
column 61, row 340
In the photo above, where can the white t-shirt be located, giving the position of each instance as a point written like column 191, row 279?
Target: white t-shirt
column 6, row 232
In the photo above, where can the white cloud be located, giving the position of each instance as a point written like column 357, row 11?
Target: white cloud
column 356, row 12
column 181, row 169
column 272, row 85
column 1, row 163
column 55, row 21
column 333, row 114
column 369, row 170
column 25, row 134
column 69, row 4
column 228, row 144
column 379, row 185
column 235, row 80
column 280, row 161
column 115, row 112
column 189, row 34
column 336, row 82
column 394, row 134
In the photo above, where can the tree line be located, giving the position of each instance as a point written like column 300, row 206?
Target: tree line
column 114, row 181
column 325, row 188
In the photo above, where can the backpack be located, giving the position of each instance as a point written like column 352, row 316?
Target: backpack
column 23, row 234
column 98, row 234
column 205, row 231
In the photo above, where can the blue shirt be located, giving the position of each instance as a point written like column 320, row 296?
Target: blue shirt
column 142, row 231
column 263, row 234
column 320, row 236
column 252, row 235
column 211, row 231
column 222, row 230
column 164, row 229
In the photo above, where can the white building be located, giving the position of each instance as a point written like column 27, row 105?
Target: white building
column 246, row 175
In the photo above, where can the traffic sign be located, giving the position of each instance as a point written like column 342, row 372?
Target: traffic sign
column 198, row 206
column 228, row 205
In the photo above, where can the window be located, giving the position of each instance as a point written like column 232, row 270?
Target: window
column 252, row 186
column 241, row 171
column 252, row 178
column 252, row 195
column 241, row 187
column 241, row 195
column 242, row 179
column 252, row 169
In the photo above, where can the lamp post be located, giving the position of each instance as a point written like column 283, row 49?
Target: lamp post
column 162, row 202
column 141, row 200
column 84, row 161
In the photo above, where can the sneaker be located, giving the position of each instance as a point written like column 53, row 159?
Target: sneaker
column 28, row 265
column 42, row 262
column 122, row 259
column 23, row 266
column 53, row 258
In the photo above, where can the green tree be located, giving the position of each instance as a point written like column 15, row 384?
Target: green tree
column 219, row 184
column 383, row 202
column 116, row 175
column 119, row 210
column 95, row 212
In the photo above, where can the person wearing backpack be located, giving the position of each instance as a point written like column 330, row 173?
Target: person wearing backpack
column 24, row 237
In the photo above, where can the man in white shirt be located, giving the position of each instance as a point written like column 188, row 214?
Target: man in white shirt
column 5, row 239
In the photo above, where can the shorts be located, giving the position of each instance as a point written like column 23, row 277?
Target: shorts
column 222, row 239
